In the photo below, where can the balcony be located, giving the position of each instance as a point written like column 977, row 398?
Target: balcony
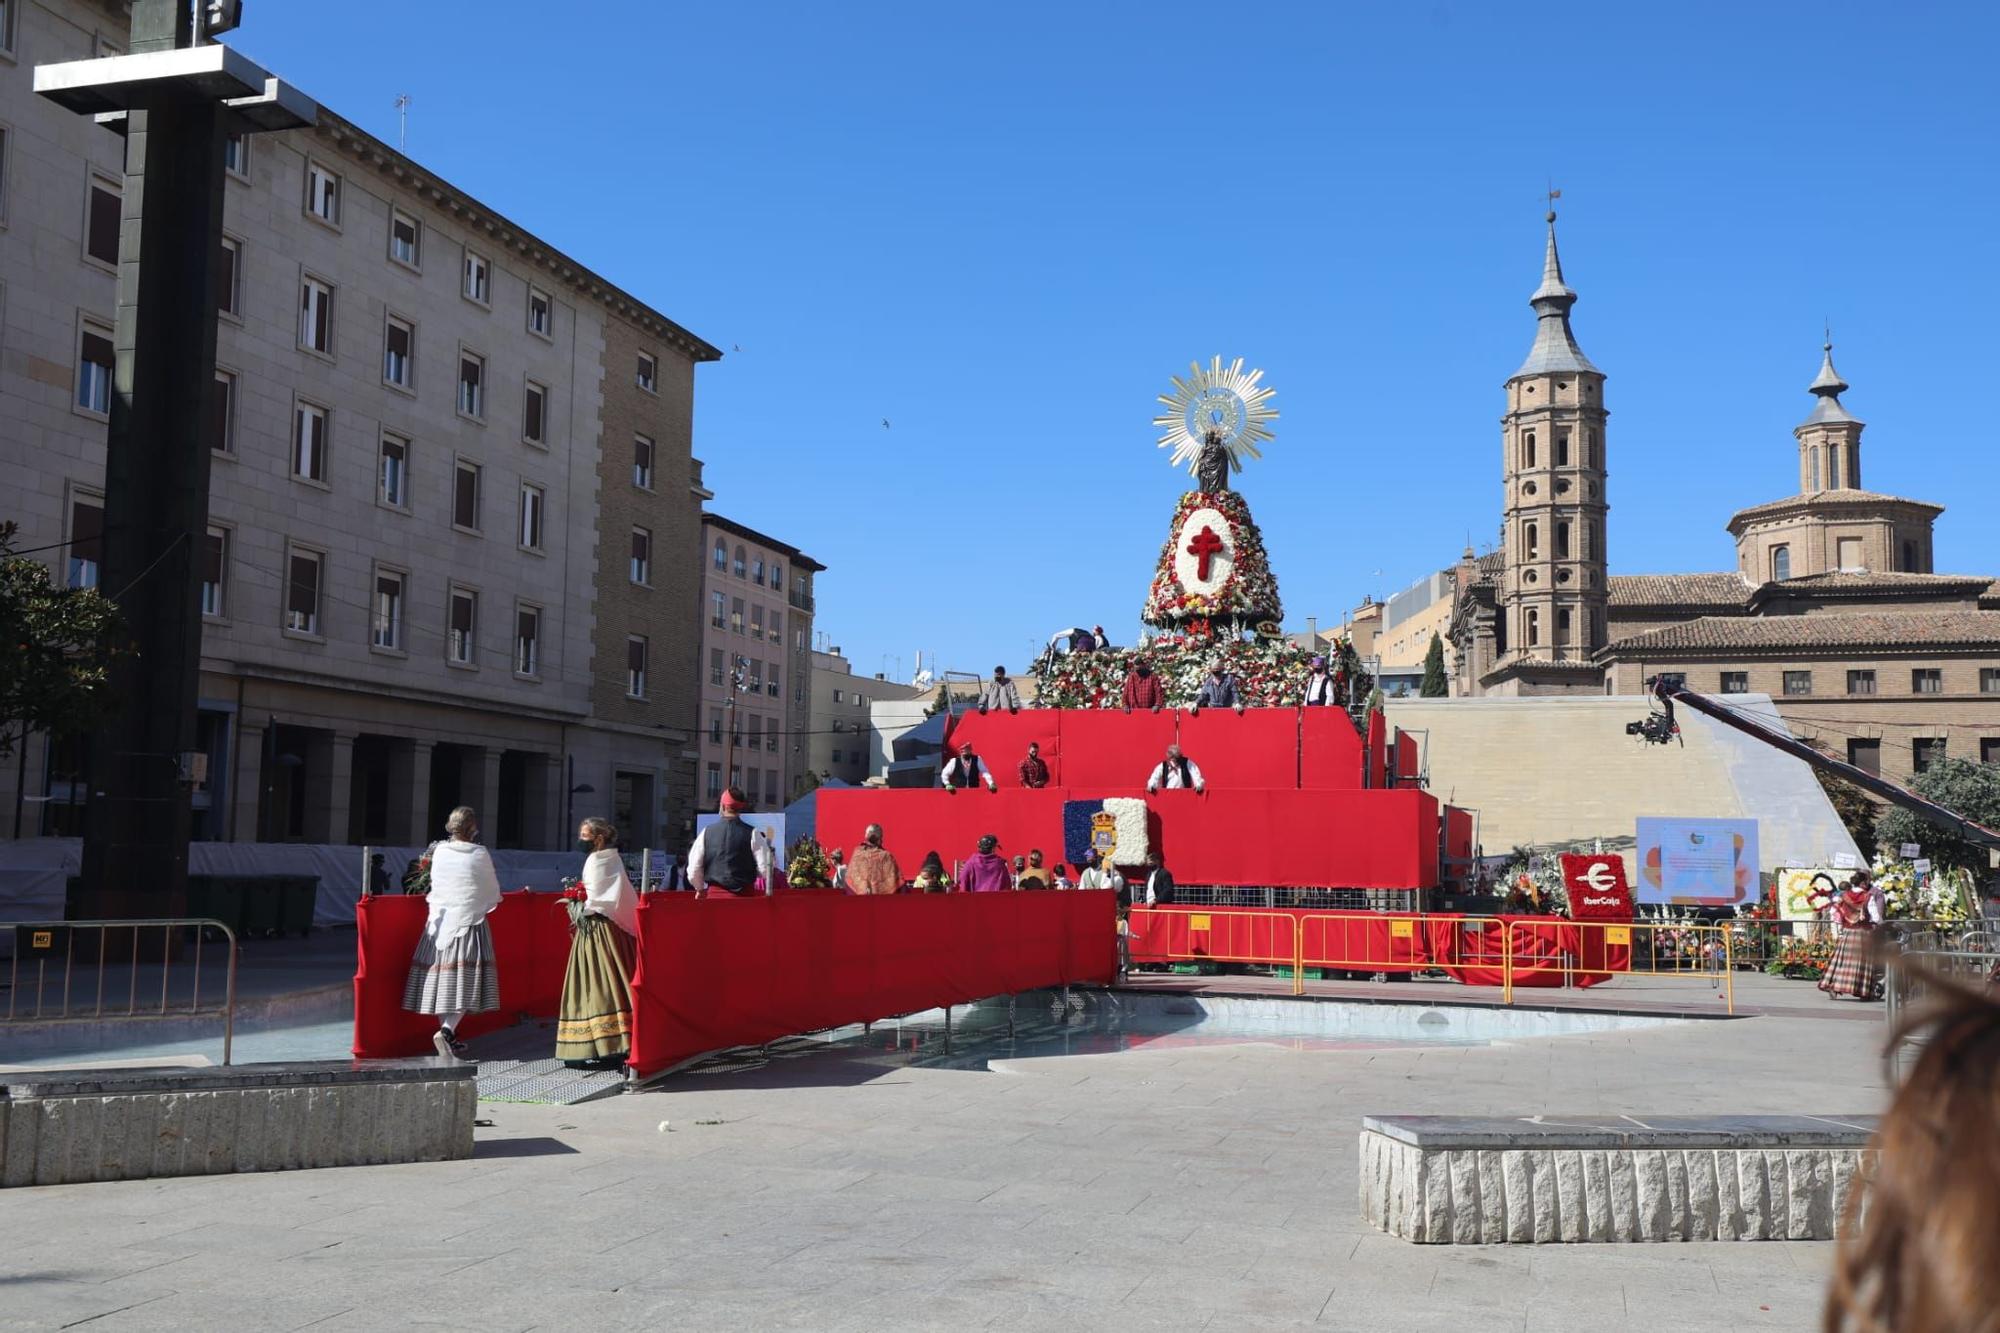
column 801, row 601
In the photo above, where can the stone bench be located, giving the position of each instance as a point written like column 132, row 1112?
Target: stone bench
column 1477, row 1180
column 73, row 1125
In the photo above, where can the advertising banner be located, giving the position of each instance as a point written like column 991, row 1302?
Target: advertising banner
column 1597, row 887
column 1697, row 862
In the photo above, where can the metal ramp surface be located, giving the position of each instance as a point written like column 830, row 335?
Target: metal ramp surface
column 517, row 1065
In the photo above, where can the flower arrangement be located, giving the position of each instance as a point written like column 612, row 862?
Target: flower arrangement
column 807, row 867
column 1248, row 596
column 1269, row 672
column 417, row 875
column 1910, row 895
column 1802, row 959
column 1533, row 883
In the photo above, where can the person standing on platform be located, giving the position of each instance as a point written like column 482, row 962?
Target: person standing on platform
column 1034, row 769
column 1218, row 690
column 966, row 770
column 1856, row 968
column 1096, row 875
column 1083, row 641
column 1159, row 881
column 452, row 973
column 1319, row 685
column 999, row 693
column 594, row 1024
column 728, row 859
column 931, row 877
column 985, row 870
column 873, row 871
column 1176, row 772
column 1143, row 689
column 1032, row 875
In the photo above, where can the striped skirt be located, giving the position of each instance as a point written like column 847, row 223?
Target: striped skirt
column 596, row 1015
column 1855, row 968
column 459, row 978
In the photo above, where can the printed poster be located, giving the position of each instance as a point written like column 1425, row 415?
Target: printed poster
column 1697, row 862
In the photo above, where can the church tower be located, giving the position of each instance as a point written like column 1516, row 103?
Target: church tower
column 1554, row 590
column 1830, row 437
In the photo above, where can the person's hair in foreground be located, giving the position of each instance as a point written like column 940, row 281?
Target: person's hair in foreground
column 1925, row 1255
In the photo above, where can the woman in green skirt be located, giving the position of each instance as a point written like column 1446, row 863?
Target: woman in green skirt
column 594, row 1025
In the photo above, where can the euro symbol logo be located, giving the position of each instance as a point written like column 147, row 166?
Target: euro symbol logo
column 1599, row 877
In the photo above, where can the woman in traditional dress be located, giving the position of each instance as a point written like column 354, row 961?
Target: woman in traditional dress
column 452, row 973
column 594, row 1025
column 1855, row 970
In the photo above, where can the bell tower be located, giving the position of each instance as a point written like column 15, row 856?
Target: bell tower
column 1830, row 437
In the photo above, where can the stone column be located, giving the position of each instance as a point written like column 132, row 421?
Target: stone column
column 329, row 779
column 541, row 804
column 479, row 787
column 246, row 779
column 410, row 794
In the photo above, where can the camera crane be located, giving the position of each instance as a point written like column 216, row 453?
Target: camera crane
column 1659, row 727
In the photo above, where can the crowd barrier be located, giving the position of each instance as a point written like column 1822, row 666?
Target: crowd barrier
column 530, row 952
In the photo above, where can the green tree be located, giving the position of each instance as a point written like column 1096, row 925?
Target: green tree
column 1434, row 686
column 56, row 649
column 1855, row 807
column 1966, row 789
column 941, row 702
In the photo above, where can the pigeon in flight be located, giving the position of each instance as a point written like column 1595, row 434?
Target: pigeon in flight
column 885, row 423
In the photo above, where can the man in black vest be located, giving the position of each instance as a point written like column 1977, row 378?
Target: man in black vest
column 1176, row 772
column 967, row 770
column 728, row 859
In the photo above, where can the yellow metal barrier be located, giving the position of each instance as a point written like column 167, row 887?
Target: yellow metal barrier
column 1691, row 951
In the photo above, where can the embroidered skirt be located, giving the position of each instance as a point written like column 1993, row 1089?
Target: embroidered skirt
column 596, row 1015
column 1854, row 970
column 459, row 978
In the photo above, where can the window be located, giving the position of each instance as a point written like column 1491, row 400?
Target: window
column 757, row 571
column 1850, row 558
column 1562, row 541
column 3, row 134
column 777, row 626
column 302, row 592
column 754, row 679
column 461, row 625
column 1562, row 448
column 95, row 362
column 1909, row 557
column 1812, row 456
column 1924, row 752
column 1833, row 468
column 1798, row 682
column 309, row 443
column 86, row 541
column 838, row 696
column 739, row 566
column 1865, row 755
column 393, row 472
column 837, row 756
column 1534, row 627
column 635, row 666
column 642, row 556
column 465, row 496
column 777, row 577
column 471, row 385
column 405, row 239
column 235, row 154
column 1781, row 563
column 1531, row 541
column 1861, row 682
column 648, row 374
column 222, row 413
column 1562, row 625
column 534, row 413
column 770, row 786
column 316, row 316
column 750, row 780
column 1989, row 749
column 100, row 228
column 1735, row 682
column 771, row 685
column 532, row 502
column 1927, row 680
column 736, row 614
column 478, row 279
column 322, row 194
column 714, row 779
column 215, row 573
column 757, row 623
column 839, row 726
column 1592, row 458
column 715, row 666
column 721, row 557
column 541, row 317
column 527, row 641
column 716, row 612
column 715, row 725
column 388, row 610
column 399, row 345
column 642, row 462
column 771, row 736
column 1989, row 680
column 1528, row 449
column 228, row 265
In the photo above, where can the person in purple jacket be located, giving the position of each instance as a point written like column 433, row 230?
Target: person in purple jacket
column 985, row 871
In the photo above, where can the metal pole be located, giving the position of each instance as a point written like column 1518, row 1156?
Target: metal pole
column 229, row 996
column 645, row 867
column 367, row 872
column 1728, row 972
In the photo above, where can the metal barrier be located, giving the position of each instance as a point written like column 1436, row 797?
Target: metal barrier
column 1649, row 950
column 1758, row 942
column 41, row 941
column 1904, row 984
column 1202, row 924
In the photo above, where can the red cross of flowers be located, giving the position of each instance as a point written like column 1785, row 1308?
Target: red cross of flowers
column 1204, row 546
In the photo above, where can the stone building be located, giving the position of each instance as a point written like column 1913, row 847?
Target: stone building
column 755, row 663
column 426, row 487
column 843, row 745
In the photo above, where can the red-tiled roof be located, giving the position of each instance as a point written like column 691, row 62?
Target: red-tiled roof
column 1831, row 499
column 1678, row 590
column 1893, row 631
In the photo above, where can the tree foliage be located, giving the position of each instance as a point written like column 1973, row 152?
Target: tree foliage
column 1857, row 810
column 56, row 649
column 1434, row 685
column 1966, row 789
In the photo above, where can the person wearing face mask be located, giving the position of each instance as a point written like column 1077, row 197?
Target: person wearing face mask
column 1143, row 689
column 594, row 1024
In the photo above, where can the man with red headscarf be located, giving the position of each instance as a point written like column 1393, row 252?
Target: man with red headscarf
column 728, row 859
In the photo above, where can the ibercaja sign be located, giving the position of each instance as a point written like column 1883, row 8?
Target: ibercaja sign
column 1597, row 887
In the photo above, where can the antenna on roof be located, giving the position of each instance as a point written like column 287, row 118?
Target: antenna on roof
column 402, row 120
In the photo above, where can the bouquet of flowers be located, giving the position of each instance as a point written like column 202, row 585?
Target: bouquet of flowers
column 1802, row 959
column 417, row 875
column 1533, row 882
column 807, row 866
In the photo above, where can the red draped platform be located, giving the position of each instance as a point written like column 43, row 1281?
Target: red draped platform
column 530, row 947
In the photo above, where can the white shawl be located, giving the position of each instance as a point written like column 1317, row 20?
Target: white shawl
column 464, row 888
column 608, row 892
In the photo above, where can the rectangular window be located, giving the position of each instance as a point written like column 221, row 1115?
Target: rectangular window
column 527, row 641
column 777, row 577
column 534, row 413
column 322, row 194
column 1989, row 680
column 465, row 496
column 235, row 153
column 642, row 462
column 777, row 625
column 716, row 610
column 1927, row 680
column 757, row 623
column 399, row 346
column 839, row 696
column 714, row 779
column 302, row 592
column 757, row 571
column 100, row 231
column 478, row 279
column 316, row 316
column 1924, row 752
column 389, row 610
column 1865, row 755
column 642, row 556
column 715, row 666
column 406, row 238
column 461, row 625
column 1798, row 682
column 215, row 573
column 772, row 685
column 394, row 472
column 532, row 500
column 635, row 666
column 1989, row 749
column 228, row 266
column 755, row 676
column 1736, row 682
column 3, row 141
column 95, row 363
column 471, row 385
column 541, row 315
column 1849, row 556
column 86, row 541
column 647, row 376
column 1861, row 682
column 309, row 443
column 736, row 614
column 770, row 786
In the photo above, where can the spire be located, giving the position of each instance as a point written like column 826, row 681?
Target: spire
column 1827, row 386
column 1555, row 348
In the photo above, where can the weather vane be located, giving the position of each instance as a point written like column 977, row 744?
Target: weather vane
column 1227, row 404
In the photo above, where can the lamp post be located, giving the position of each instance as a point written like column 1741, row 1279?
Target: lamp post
column 737, row 674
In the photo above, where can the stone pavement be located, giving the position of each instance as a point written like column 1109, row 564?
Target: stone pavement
column 1177, row 1184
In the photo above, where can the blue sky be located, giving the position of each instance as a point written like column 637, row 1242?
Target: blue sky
column 1002, row 227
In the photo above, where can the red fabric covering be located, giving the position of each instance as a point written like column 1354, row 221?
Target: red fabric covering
column 1107, row 751
column 1407, row 764
column 1001, row 739
column 1378, row 749
column 1329, row 751
column 1471, row 950
column 1458, row 833
column 531, row 951
column 716, row 976
column 1260, row 749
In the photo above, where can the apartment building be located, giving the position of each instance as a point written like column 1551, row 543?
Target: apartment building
column 437, row 442
column 843, row 744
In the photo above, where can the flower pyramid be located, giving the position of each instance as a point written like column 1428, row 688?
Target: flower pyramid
column 1213, row 576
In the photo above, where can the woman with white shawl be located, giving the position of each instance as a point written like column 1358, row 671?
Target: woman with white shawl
column 452, row 973
column 594, row 1024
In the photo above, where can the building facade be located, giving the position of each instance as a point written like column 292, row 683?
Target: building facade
column 410, row 599
column 843, row 745
column 755, row 660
